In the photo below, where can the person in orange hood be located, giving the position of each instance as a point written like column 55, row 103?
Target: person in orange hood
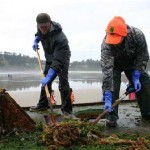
column 124, row 49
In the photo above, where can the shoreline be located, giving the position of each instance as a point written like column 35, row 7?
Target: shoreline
column 30, row 98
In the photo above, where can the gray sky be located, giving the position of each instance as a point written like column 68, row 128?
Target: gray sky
column 83, row 21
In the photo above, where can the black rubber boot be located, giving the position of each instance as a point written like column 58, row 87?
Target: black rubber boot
column 143, row 96
column 43, row 103
column 66, row 106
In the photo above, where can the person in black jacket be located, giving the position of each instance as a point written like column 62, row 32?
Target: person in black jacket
column 124, row 49
column 57, row 54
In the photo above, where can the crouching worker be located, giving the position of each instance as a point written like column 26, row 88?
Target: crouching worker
column 57, row 55
column 124, row 49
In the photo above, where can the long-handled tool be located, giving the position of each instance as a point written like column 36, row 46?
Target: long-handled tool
column 128, row 91
column 51, row 119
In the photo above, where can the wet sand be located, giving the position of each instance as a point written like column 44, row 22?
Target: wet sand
column 129, row 121
column 30, row 98
column 129, row 114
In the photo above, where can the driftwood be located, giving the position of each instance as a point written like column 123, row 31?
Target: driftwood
column 12, row 116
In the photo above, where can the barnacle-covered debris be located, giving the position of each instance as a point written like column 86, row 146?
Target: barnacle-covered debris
column 12, row 116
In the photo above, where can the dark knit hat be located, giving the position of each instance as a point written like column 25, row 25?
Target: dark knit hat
column 43, row 18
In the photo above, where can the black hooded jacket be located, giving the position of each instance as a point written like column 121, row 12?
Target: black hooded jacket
column 56, row 48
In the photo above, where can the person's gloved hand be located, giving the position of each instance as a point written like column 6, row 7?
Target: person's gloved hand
column 35, row 43
column 130, row 88
column 49, row 77
column 108, row 101
column 135, row 78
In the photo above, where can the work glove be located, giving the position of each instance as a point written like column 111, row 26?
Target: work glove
column 130, row 89
column 49, row 77
column 108, row 101
column 135, row 78
column 35, row 43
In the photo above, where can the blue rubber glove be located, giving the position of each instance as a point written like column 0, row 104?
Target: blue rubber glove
column 35, row 43
column 135, row 78
column 49, row 77
column 108, row 101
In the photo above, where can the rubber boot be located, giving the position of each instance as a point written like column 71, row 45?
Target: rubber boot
column 66, row 106
column 143, row 98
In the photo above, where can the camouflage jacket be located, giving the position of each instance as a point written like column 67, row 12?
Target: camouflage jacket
column 131, row 54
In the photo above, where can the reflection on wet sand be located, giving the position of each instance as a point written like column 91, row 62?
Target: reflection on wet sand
column 26, row 82
column 19, row 82
column 25, row 88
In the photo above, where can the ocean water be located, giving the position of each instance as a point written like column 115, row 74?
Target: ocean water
column 30, row 81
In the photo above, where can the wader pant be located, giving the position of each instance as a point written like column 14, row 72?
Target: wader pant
column 143, row 96
column 64, row 89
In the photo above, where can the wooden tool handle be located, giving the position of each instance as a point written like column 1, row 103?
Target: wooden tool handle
column 107, row 111
column 42, row 73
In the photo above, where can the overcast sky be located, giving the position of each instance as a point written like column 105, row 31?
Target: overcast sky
column 83, row 21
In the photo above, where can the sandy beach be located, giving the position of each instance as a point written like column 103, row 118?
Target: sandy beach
column 30, row 98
